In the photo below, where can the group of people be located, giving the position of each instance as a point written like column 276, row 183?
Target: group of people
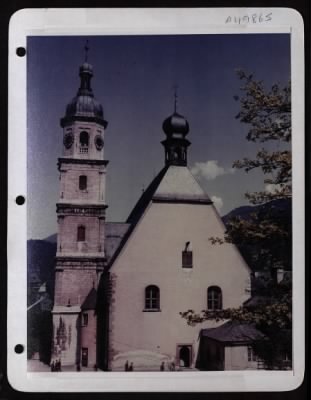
column 56, row 366
column 171, row 366
column 128, row 367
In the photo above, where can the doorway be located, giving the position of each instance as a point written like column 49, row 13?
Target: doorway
column 184, row 355
column 84, row 357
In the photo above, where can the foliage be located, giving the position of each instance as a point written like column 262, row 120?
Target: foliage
column 264, row 238
column 275, row 311
column 269, row 115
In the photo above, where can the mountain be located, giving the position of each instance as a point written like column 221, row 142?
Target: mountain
column 40, row 266
column 40, row 274
column 267, row 253
column 244, row 212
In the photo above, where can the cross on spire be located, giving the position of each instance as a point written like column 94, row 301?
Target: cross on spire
column 175, row 98
column 86, row 49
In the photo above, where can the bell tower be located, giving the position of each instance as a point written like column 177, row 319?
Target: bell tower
column 80, row 256
column 176, row 129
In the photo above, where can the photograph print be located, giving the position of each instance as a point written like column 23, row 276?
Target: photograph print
column 159, row 210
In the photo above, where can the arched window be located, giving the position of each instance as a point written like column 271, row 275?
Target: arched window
column 81, row 233
column 214, row 298
column 84, row 139
column 152, row 298
column 82, row 182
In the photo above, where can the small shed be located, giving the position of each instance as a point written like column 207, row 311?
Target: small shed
column 229, row 347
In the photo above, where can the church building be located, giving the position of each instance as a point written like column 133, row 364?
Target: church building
column 120, row 287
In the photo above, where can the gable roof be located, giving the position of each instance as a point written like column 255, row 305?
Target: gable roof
column 179, row 185
column 234, row 332
column 172, row 184
column 90, row 300
column 146, row 197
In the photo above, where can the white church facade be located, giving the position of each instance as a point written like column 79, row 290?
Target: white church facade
column 120, row 288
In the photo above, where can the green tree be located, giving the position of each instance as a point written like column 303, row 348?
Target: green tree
column 264, row 238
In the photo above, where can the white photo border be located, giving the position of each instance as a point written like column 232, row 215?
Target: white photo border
column 113, row 21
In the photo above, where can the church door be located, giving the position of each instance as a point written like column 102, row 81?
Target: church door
column 184, row 355
column 85, row 356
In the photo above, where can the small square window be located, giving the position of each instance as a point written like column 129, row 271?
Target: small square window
column 187, row 259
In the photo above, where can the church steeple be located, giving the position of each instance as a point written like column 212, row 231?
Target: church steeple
column 84, row 106
column 80, row 257
column 86, row 73
column 176, row 128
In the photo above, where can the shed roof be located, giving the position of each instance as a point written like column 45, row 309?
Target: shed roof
column 234, row 332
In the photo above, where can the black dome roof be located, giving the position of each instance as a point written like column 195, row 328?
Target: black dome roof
column 84, row 105
column 176, row 123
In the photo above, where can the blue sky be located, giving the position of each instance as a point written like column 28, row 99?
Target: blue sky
column 133, row 79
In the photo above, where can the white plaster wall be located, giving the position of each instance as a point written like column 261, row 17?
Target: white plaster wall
column 236, row 358
column 152, row 255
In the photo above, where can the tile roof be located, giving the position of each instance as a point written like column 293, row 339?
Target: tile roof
column 114, row 233
column 90, row 300
column 178, row 184
column 234, row 332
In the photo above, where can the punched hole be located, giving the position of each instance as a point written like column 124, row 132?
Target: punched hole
column 20, row 200
column 21, row 51
column 19, row 348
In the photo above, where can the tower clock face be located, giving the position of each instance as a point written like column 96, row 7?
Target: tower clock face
column 99, row 143
column 68, row 140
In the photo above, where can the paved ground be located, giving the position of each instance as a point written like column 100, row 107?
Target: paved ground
column 38, row 366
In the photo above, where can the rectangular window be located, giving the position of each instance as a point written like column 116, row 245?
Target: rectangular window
column 81, row 233
column 82, row 182
column 187, row 259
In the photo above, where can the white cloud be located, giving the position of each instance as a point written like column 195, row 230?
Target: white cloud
column 210, row 170
column 218, row 202
column 272, row 187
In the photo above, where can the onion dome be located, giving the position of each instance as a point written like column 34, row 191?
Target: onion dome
column 84, row 106
column 176, row 128
column 176, row 123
